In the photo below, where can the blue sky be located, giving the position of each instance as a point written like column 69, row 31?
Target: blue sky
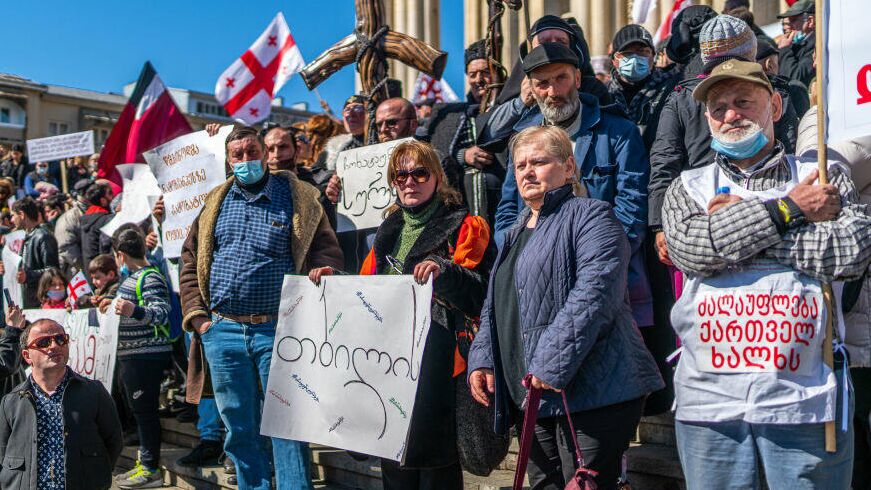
column 101, row 45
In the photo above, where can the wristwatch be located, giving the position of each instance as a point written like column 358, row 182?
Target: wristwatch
column 792, row 214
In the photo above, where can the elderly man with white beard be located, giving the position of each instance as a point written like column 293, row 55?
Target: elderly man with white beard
column 755, row 236
column 610, row 155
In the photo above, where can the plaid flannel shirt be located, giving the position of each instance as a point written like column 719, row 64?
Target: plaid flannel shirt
column 704, row 244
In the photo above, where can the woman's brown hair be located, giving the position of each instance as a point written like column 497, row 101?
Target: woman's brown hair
column 424, row 156
column 320, row 129
column 45, row 282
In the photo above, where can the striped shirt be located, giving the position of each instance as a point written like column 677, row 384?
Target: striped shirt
column 704, row 244
column 137, row 334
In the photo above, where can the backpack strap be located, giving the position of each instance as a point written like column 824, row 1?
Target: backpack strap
column 140, row 300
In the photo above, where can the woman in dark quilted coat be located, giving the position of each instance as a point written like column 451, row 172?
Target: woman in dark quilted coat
column 557, row 308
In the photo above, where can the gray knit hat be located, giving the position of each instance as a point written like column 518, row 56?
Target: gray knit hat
column 725, row 37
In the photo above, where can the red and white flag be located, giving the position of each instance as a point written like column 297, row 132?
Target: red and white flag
column 77, row 288
column 246, row 88
column 149, row 119
column 426, row 87
column 665, row 28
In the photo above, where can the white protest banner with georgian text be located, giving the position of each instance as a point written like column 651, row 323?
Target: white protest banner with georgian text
column 63, row 146
column 11, row 264
column 744, row 330
column 186, row 168
column 346, row 362
column 848, row 74
column 93, row 340
column 366, row 193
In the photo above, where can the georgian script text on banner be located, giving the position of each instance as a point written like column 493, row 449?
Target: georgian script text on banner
column 93, row 340
column 186, row 168
column 848, row 77
column 745, row 331
column 63, row 146
column 366, row 193
column 346, row 362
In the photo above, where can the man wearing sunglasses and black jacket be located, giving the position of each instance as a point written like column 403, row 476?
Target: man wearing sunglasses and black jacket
column 58, row 429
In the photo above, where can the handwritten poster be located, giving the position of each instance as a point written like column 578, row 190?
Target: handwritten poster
column 366, row 193
column 186, row 168
column 346, row 362
column 741, row 331
column 11, row 263
column 93, row 340
column 63, row 146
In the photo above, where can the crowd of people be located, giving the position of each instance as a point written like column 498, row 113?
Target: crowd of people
column 590, row 237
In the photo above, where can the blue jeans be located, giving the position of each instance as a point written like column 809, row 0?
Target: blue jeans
column 726, row 455
column 239, row 355
column 209, row 420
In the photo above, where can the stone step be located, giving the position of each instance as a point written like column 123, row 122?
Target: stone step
column 654, row 467
column 208, row 477
column 336, row 466
column 183, row 434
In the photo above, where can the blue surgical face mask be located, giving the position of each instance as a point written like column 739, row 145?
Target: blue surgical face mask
column 799, row 37
column 41, row 170
column 633, row 67
column 249, row 172
column 743, row 148
column 124, row 271
column 56, row 295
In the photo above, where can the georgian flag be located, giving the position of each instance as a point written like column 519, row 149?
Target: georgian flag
column 426, row 87
column 247, row 87
column 77, row 288
column 665, row 28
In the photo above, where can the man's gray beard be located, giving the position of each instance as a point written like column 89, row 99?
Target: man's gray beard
column 562, row 113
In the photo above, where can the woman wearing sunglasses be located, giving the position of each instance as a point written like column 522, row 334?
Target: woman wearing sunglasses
column 429, row 234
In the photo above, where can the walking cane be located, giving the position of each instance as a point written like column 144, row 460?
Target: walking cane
column 828, row 294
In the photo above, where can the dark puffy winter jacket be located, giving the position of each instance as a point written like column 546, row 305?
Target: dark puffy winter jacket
column 576, row 325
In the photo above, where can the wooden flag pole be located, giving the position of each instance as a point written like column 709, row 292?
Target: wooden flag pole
column 822, row 160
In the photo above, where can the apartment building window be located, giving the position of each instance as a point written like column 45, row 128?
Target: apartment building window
column 57, row 128
column 5, row 115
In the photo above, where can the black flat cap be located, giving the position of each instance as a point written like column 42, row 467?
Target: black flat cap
column 549, row 53
column 798, row 8
column 632, row 33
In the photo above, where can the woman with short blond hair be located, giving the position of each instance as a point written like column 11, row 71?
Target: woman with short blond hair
column 557, row 311
column 430, row 234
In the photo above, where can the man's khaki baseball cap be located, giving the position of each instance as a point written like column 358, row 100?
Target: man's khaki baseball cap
column 734, row 69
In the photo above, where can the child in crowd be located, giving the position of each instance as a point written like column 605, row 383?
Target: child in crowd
column 144, row 348
column 52, row 290
column 104, row 277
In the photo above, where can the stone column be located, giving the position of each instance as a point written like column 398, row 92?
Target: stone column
column 601, row 25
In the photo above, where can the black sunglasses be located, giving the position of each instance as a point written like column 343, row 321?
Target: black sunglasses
column 420, row 175
column 61, row 339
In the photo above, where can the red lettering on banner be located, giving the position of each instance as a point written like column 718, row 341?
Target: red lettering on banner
column 754, row 356
column 863, row 84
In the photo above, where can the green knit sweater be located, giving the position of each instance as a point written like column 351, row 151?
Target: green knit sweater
column 413, row 226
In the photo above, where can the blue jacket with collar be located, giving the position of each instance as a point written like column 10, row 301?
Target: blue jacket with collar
column 614, row 168
column 577, row 329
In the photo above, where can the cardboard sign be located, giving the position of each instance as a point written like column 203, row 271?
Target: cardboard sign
column 11, row 263
column 366, row 193
column 93, row 340
column 186, row 168
column 745, row 331
column 346, row 362
column 63, row 146
column 848, row 73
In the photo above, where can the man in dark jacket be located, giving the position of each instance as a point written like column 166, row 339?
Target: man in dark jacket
column 58, row 429
column 612, row 162
column 794, row 92
column 39, row 251
column 98, row 196
column 797, row 47
column 15, row 167
column 452, row 130
column 684, row 139
column 637, row 86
